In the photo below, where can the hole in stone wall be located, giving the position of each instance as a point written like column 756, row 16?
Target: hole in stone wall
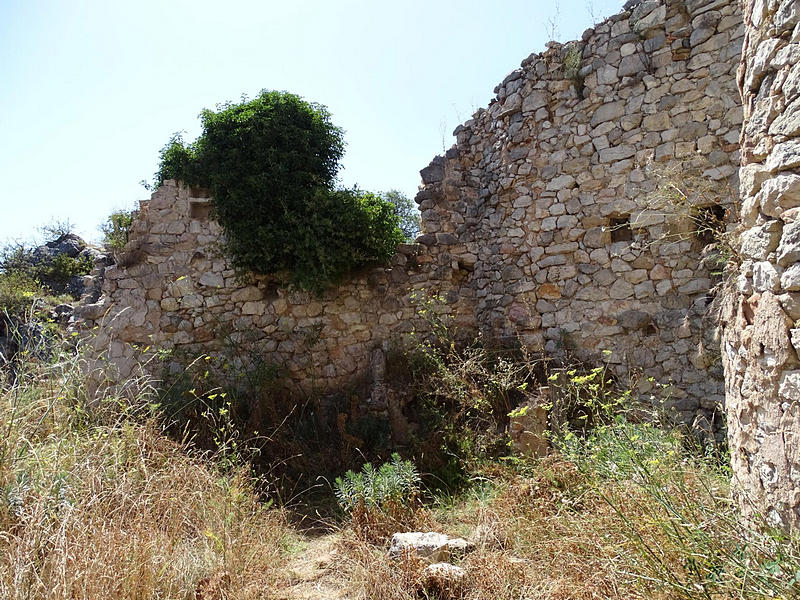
column 199, row 209
column 620, row 229
column 199, row 192
column 709, row 223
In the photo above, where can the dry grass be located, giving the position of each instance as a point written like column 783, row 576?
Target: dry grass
column 97, row 503
column 570, row 529
column 92, row 508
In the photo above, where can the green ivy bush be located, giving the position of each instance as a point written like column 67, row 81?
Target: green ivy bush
column 271, row 164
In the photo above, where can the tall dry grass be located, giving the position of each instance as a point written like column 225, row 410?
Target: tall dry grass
column 96, row 503
column 628, row 513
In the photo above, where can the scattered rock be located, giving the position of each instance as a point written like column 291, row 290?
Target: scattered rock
column 444, row 580
column 431, row 546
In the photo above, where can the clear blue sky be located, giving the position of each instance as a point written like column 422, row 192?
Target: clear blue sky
column 90, row 90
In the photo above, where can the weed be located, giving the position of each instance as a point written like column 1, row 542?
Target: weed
column 380, row 501
column 464, row 391
column 572, row 66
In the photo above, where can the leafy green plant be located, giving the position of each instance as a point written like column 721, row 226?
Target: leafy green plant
column 63, row 268
column 116, row 229
column 271, row 164
column 18, row 292
column 394, row 482
column 380, row 501
column 406, row 211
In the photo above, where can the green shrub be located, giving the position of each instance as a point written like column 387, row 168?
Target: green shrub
column 394, row 482
column 381, row 501
column 16, row 258
column 18, row 285
column 18, row 291
column 271, row 165
column 63, row 268
column 23, row 277
column 116, row 229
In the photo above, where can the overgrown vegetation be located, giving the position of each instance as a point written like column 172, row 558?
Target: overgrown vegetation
column 463, row 390
column 95, row 502
column 624, row 509
column 381, row 501
column 116, row 229
column 24, row 277
column 271, row 165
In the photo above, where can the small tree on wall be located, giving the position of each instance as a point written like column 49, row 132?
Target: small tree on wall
column 271, row 164
column 407, row 212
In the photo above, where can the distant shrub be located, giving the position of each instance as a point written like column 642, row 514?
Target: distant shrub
column 18, row 286
column 57, row 228
column 63, row 268
column 18, row 291
column 23, row 275
column 271, row 165
column 406, row 211
column 116, row 229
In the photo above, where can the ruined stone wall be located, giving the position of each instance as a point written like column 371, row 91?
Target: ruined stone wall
column 541, row 223
column 553, row 193
column 761, row 339
column 172, row 289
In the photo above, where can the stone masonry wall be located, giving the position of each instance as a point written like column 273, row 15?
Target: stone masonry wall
column 549, row 194
column 173, row 290
column 761, row 339
column 541, row 223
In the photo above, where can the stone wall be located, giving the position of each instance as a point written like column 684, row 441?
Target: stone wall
column 761, row 339
column 552, row 195
column 543, row 223
column 172, row 289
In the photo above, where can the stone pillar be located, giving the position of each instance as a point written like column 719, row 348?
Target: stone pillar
column 760, row 316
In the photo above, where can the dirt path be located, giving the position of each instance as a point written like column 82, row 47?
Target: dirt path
column 310, row 574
